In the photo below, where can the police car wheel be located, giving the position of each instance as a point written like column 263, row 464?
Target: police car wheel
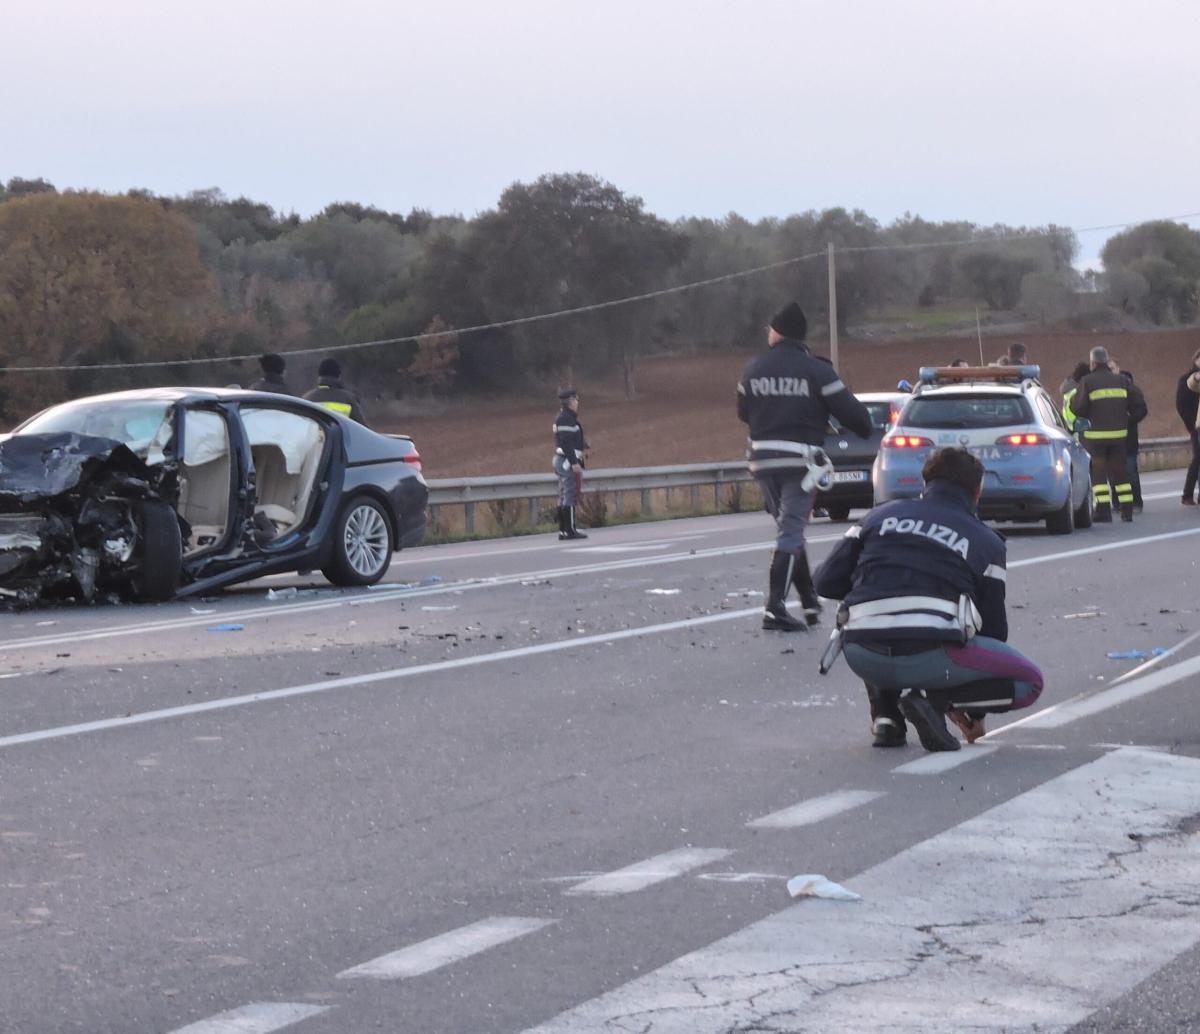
column 1062, row 520
column 363, row 543
column 1083, row 516
column 838, row 513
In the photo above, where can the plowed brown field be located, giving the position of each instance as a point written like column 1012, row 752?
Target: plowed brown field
column 684, row 412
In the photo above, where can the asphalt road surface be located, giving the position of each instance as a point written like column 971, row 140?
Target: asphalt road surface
column 531, row 785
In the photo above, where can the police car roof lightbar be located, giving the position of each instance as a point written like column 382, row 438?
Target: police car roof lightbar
column 932, row 374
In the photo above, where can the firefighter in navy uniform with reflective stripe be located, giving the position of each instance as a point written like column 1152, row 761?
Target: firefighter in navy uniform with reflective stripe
column 1110, row 403
column 787, row 396
column 569, row 448
column 331, row 393
column 922, row 583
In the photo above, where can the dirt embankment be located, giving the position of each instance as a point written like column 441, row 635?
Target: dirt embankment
column 684, row 412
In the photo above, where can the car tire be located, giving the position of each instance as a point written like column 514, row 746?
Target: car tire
column 363, row 543
column 1062, row 521
column 1083, row 516
column 837, row 513
column 161, row 552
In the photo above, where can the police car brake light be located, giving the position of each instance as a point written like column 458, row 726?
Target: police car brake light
column 1023, row 439
column 906, row 441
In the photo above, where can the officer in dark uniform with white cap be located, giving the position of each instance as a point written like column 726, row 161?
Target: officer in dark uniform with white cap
column 787, row 396
column 569, row 448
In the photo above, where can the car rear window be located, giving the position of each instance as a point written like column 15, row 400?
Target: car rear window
column 967, row 411
column 880, row 412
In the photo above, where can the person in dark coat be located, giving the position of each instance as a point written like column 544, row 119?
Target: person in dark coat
column 1187, row 403
column 331, row 393
column 786, row 397
column 273, row 367
column 570, row 453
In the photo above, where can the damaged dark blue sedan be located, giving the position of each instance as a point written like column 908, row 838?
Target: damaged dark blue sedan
column 173, row 492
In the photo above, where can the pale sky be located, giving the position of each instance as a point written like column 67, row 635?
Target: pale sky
column 1079, row 112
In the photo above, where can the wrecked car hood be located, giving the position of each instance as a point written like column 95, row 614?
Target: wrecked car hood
column 37, row 467
column 67, row 524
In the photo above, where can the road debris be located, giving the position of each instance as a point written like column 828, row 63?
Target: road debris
column 228, row 627
column 813, row 885
column 664, row 592
column 435, row 608
column 1085, row 614
column 202, row 612
column 283, row 594
column 1135, row 655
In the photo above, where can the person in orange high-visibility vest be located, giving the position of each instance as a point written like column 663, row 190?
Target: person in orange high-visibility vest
column 331, row 393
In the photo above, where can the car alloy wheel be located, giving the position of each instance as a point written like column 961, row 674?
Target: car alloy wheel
column 366, row 540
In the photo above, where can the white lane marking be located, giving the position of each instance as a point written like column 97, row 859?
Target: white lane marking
column 385, row 596
column 549, row 542
column 1105, row 548
column 462, row 662
column 1085, row 705
column 817, row 809
column 645, row 874
column 256, row 1018
column 641, row 547
column 1030, row 916
column 362, row 680
column 368, row 598
column 943, row 761
column 436, row 952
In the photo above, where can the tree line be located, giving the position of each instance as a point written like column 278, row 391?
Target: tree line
column 89, row 278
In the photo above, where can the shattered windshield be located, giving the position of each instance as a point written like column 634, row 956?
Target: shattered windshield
column 144, row 426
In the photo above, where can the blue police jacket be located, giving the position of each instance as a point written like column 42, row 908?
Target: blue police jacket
column 910, row 570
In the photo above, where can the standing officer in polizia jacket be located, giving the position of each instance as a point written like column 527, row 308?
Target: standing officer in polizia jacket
column 569, row 448
column 787, row 396
column 923, row 620
column 1110, row 403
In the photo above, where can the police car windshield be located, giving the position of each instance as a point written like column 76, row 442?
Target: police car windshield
column 964, row 412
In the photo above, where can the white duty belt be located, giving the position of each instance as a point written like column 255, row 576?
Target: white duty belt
column 915, row 612
column 820, row 466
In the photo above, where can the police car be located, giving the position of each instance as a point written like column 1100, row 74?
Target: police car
column 1035, row 469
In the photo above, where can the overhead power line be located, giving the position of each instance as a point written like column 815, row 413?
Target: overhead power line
column 598, row 306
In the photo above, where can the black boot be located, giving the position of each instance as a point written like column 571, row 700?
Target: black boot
column 775, row 613
column 929, row 721
column 560, row 514
column 570, row 531
column 1102, row 514
column 887, row 723
column 802, row 580
column 1127, row 512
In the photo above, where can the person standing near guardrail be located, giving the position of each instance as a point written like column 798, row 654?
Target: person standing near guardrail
column 569, row 448
column 1109, row 402
column 1187, row 405
column 786, row 397
column 331, row 393
column 273, row 366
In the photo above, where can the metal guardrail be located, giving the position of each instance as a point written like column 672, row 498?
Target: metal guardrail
column 467, row 492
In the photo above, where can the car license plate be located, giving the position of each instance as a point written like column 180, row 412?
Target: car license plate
column 986, row 452
column 849, row 475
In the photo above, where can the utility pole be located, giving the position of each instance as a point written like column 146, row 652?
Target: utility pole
column 833, row 327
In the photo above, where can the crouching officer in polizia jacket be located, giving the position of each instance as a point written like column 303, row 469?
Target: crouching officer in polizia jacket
column 786, row 396
column 569, row 449
column 1111, row 403
column 922, row 621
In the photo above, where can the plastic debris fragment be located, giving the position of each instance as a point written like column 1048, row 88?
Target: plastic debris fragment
column 813, row 885
column 283, row 594
column 664, row 592
column 230, row 627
